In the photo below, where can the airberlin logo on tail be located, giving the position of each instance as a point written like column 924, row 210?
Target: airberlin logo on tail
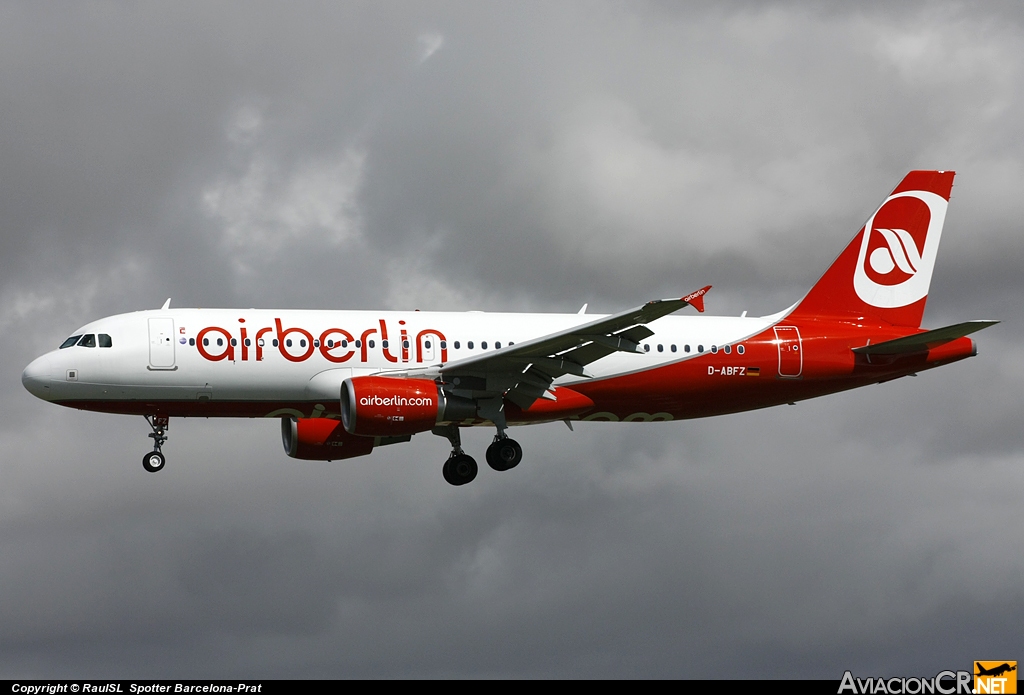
column 898, row 249
column 900, row 252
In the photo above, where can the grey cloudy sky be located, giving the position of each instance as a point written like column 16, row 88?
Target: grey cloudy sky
column 522, row 157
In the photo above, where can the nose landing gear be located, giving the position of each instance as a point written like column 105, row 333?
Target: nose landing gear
column 154, row 461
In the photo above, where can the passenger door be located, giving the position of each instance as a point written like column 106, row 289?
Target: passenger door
column 161, row 343
column 791, row 356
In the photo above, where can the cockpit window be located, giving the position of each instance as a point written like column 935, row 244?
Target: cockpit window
column 105, row 340
column 70, row 341
column 88, row 340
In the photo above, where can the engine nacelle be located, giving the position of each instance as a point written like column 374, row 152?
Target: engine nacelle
column 381, row 405
column 322, row 439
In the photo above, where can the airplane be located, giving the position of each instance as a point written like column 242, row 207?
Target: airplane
column 345, row 382
column 994, row 671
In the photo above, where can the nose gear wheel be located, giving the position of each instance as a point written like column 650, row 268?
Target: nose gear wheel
column 153, row 461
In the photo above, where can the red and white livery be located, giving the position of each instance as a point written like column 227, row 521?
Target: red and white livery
column 345, row 382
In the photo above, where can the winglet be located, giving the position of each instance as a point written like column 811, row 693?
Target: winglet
column 696, row 299
column 167, row 304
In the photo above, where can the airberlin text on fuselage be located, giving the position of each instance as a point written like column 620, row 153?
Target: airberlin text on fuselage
column 401, row 401
column 334, row 344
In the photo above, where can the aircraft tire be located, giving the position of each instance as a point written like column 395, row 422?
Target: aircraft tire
column 504, row 454
column 153, row 462
column 459, row 469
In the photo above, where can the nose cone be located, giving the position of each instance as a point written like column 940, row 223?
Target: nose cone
column 36, row 378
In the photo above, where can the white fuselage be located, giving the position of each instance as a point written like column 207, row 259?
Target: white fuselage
column 283, row 356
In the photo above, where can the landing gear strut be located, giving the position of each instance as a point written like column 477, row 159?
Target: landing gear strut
column 460, row 468
column 154, row 460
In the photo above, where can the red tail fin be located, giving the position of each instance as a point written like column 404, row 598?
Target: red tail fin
column 885, row 272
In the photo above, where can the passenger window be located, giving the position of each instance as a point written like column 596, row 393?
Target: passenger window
column 457, row 346
column 740, row 349
column 206, row 342
column 405, row 344
column 234, row 342
column 647, row 348
column 88, row 340
column 700, row 348
column 344, row 343
column 383, row 344
column 220, row 342
column 673, row 348
column 248, row 342
column 483, row 345
column 70, row 341
column 470, row 345
column 288, row 342
column 444, row 344
column 497, row 345
column 728, row 349
column 275, row 342
column 661, row 348
column 370, row 343
column 714, row 349
column 191, row 341
column 105, row 340
column 359, row 343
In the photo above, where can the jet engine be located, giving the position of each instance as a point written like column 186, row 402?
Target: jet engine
column 387, row 406
column 322, row 439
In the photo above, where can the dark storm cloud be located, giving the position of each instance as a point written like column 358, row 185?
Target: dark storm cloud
column 510, row 157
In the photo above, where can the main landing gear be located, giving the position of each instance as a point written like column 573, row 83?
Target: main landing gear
column 504, row 453
column 460, row 468
column 154, row 460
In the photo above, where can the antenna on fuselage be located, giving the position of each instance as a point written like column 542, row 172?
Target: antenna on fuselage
column 167, row 305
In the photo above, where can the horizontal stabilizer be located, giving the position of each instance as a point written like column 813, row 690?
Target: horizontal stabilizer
column 921, row 342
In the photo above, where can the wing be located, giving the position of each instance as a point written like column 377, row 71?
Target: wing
column 523, row 372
